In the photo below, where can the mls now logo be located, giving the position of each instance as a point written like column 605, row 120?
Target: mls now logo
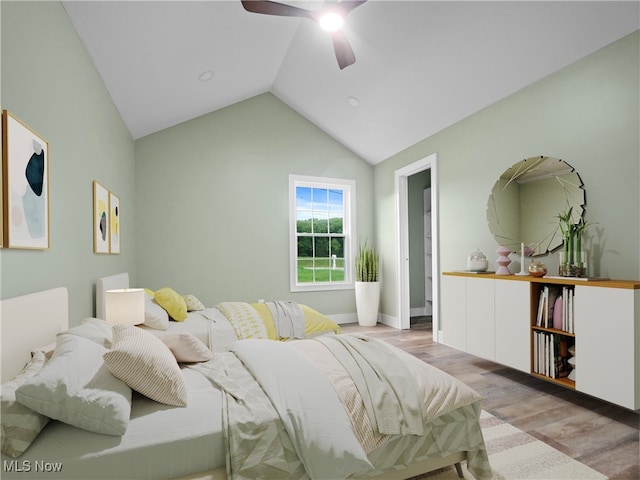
column 29, row 466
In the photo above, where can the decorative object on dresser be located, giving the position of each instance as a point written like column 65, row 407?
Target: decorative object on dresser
column 525, row 251
column 525, row 199
column 537, row 269
column 503, row 260
column 573, row 258
column 477, row 261
column 25, row 186
column 367, row 286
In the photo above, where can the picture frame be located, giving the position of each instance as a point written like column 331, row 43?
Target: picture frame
column 2, row 154
column 25, row 186
column 101, row 232
column 114, row 223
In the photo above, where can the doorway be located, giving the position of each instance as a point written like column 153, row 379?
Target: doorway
column 404, row 260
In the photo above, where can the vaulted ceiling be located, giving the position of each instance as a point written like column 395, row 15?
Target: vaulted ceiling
column 420, row 65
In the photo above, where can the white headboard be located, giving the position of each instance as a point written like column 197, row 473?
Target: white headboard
column 112, row 282
column 29, row 322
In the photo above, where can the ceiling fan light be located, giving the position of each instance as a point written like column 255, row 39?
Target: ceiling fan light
column 331, row 21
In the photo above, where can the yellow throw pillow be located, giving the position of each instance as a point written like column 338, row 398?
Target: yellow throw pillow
column 267, row 319
column 316, row 322
column 172, row 302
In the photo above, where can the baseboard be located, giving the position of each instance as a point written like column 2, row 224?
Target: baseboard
column 421, row 311
column 388, row 320
column 341, row 318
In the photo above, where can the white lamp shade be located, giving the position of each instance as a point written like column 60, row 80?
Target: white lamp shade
column 124, row 306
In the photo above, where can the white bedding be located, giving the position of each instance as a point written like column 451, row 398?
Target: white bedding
column 168, row 442
column 160, row 442
column 210, row 326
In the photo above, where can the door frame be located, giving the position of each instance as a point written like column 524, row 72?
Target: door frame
column 402, row 239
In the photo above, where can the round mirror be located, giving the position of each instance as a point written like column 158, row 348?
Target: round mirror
column 525, row 202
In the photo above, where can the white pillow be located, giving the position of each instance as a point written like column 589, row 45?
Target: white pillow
column 193, row 304
column 154, row 315
column 147, row 365
column 94, row 329
column 76, row 387
column 185, row 346
column 20, row 425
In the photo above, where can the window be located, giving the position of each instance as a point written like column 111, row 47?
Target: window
column 321, row 222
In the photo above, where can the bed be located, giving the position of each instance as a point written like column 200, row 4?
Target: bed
column 192, row 441
column 210, row 324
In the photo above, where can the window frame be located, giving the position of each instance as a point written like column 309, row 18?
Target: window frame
column 348, row 188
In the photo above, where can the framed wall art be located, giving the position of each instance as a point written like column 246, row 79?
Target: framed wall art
column 101, row 235
column 2, row 155
column 114, row 223
column 25, row 185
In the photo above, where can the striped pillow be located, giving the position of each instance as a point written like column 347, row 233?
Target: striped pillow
column 147, row 365
column 20, row 425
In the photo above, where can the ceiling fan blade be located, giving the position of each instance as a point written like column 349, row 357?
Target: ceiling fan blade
column 344, row 52
column 274, row 8
column 347, row 5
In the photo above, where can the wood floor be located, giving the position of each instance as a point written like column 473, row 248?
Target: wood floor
column 596, row 433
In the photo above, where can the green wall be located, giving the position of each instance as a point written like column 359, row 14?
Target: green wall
column 49, row 82
column 212, row 203
column 587, row 114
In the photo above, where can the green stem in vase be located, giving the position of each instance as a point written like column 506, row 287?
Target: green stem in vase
column 579, row 248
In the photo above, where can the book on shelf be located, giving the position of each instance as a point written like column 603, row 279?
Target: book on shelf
column 541, row 307
column 555, row 308
column 550, row 355
column 554, row 292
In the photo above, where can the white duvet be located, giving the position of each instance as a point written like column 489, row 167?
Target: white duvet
column 312, row 414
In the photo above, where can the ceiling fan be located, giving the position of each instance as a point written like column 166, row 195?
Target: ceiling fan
column 329, row 17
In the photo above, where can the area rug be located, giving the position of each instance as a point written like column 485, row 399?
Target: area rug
column 516, row 455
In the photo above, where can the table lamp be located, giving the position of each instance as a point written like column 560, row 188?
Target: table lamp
column 124, row 306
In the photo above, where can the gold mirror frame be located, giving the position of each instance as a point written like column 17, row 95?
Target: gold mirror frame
column 525, row 202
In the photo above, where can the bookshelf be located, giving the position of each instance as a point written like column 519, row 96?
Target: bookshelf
column 593, row 347
column 553, row 333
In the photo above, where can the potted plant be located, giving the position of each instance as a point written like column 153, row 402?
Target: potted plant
column 572, row 257
column 367, row 285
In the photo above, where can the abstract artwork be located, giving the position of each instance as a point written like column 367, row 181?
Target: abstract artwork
column 2, row 155
column 25, row 186
column 114, row 223
column 101, row 235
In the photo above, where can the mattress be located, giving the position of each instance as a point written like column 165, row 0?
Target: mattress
column 160, row 442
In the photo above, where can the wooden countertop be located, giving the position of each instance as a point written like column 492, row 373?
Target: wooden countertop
column 611, row 283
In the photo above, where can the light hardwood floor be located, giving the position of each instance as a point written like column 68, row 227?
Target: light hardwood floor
column 596, row 433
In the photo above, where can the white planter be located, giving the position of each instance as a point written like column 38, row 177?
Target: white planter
column 367, row 303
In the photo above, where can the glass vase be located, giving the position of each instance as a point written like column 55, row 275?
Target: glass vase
column 574, row 265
